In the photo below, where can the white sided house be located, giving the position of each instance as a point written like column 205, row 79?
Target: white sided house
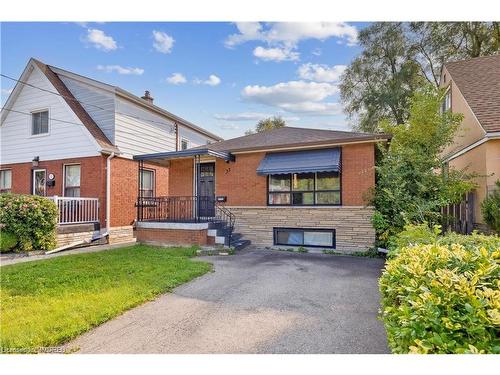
column 72, row 139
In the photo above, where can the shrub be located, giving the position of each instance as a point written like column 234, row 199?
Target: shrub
column 413, row 234
column 7, row 241
column 31, row 219
column 443, row 297
column 490, row 208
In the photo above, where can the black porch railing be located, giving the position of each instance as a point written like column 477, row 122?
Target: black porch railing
column 184, row 209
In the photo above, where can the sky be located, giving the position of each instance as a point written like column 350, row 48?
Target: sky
column 223, row 77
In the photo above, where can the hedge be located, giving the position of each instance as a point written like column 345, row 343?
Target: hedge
column 31, row 219
column 7, row 241
column 443, row 297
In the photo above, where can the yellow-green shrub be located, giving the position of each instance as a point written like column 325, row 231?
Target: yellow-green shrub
column 440, row 298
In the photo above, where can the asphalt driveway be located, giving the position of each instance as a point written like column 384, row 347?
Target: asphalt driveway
column 257, row 302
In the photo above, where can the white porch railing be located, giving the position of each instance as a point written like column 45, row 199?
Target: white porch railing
column 76, row 210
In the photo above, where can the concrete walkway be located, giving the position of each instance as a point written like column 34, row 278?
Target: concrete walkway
column 6, row 259
column 257, row 302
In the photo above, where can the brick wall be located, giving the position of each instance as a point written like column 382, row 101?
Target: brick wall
column 124, row 184
column 172, row 236
column 358, row 173
column 354, row 231
column 243, row 187
column 92, row 179
column 181, row 177
column 239, row 180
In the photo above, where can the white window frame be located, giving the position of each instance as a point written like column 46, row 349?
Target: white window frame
column 187, row 143
column 153, row 187
column 33, row 181
column 64, row 178
column 9, row 189
column 447, row 95
column 30, row 123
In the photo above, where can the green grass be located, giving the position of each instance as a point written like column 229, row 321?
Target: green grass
column 48, row 302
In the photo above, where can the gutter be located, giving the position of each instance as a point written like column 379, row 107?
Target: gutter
column 108, row 192
column 487, row 137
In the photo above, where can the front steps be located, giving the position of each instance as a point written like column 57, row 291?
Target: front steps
column 218, row 236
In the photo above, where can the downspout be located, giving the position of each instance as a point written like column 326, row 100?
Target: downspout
column 108, row 192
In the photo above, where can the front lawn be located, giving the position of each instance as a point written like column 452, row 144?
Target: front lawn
column 48, row 302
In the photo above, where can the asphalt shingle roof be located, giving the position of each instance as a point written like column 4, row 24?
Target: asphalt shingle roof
column 478, row 80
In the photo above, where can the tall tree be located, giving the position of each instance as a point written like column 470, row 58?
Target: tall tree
column 398, row 58
column 267, row 124
column 408, row 189
column 380, row 81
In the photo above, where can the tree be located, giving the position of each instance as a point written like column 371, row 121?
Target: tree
column 399, row 58
column 380, row 81
column 408, row 189
column 267, row 124
column 490, row 208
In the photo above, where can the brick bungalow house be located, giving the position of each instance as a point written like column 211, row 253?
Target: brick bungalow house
column 68, row 136
column 284, row 187
column 473, row 89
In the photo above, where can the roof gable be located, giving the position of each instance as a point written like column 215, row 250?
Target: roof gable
column 478, row 80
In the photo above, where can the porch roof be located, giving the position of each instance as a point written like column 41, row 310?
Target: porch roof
column 185, row 154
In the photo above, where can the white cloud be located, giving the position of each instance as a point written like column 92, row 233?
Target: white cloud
column 7, row 91
column 250, row 116
column 176, row 79
column 275, row 54
column 317, row 52
column 163, row 42
column 321, row 73
column 229, row 126
column 100, row 40
column 290, row 33
column 212, row 80
column 121, row 70
column 295, row 96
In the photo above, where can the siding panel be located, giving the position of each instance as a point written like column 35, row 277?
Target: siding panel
column 65, row 140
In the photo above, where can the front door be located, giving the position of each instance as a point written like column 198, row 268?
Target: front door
column 39, row 182
column 206, row 190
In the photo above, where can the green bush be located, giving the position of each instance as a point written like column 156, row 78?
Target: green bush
column 443, row 297
column 490, row 208
column 413, row 234
column 7, row 241
column 32, row 219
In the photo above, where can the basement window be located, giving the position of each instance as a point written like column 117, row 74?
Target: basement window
column 324, row 238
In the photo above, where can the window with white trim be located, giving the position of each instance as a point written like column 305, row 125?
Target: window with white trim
column 5, row 180
column 446, row 104
column 39, row 122
column 184, row 144
column 72, row 177
column 147, row 183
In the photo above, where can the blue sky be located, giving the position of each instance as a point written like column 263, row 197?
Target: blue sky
column 221, row 76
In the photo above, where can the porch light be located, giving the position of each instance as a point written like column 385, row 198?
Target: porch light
column 35, row 161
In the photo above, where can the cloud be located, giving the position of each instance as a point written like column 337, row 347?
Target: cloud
column 275, row 54
column 229, row 126
column 7, row 91
column 291, row 33
column 317, row 52
column 121, row 70
column 163, row 42
column 295, row 96
column 212, row 80
column 176, row 79
column 321, row 73
column 100, row 40
column 250, row 116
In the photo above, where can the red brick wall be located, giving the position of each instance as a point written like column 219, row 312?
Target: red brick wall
column 124, row 188
column 358, row 173
column 181, row 177
column 92, row 179
column 239, row 181
column 172, row 236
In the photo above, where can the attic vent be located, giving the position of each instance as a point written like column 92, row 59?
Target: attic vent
column 147, row 97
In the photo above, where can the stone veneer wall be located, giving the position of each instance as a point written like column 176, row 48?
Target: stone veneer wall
column 64, row 239
column 121, row 234
column 354, row 231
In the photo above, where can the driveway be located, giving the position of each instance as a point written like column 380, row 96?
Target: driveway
column 257, row 302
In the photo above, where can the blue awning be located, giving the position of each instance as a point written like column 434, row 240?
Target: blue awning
column 325, row 160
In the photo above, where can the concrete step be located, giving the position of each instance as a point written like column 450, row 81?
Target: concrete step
column 240, row 244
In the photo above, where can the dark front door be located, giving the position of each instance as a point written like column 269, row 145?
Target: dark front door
column 206, row 190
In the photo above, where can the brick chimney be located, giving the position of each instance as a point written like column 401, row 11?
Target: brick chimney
column 147, row 97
